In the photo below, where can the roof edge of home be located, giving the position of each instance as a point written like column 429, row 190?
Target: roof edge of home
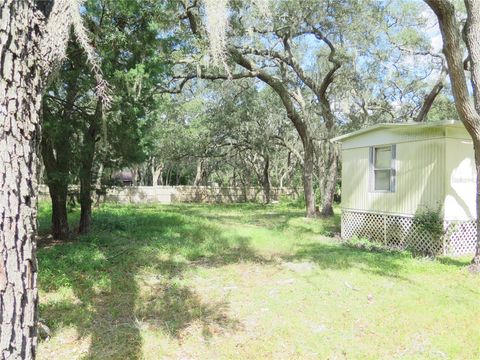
column 398, row 125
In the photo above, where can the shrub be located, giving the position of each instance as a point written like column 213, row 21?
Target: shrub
column 429, row 221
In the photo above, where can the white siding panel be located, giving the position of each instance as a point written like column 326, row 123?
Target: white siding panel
column 420, row 179
column 460, row 179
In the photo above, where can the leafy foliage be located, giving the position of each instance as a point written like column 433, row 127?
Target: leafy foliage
column 430, row 221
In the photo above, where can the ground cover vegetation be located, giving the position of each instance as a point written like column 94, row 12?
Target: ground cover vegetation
column 246, row 281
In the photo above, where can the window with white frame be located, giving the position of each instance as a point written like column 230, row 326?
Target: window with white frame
column 382, row 168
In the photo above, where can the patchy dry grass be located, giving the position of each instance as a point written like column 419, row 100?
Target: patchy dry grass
column 246, row 282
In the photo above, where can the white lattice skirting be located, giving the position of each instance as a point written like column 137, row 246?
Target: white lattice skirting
column 400, row 232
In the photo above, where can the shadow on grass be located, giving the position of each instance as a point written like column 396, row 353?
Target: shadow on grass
column 105, row 270
column 339, row 257
column 459, row 262
column 272, row 217
column 173, row 308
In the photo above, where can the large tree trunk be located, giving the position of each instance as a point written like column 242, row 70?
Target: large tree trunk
column 20, row 103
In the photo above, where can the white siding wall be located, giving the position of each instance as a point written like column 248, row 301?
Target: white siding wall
column 460, row 180
column 420, row 178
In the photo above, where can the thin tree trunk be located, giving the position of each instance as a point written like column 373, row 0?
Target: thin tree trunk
column 60, row 228
column 157, row 175
column 288, row 169
column 233, row 181
column 199, row 173
column 160, row 175
column 308, row 167
column 156, row 170
column 85, row 202
column 58, row 188
column 177, row 177
column 20, row 103
column 98, row 180
column 328, row 179
column 86, row 171
column 266, row 179
column 168, row 175
column 136, row 176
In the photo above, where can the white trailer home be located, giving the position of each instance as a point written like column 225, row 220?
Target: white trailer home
column 389, row 171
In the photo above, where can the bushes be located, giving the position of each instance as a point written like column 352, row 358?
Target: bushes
column 428, row 222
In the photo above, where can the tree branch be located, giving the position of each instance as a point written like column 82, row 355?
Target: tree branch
column 431, row 96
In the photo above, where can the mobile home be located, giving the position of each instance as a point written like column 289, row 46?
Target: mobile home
column 390, row 171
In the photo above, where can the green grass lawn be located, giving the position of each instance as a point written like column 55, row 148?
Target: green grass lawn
column 246, row 282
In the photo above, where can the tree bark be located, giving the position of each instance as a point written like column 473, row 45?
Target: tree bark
column 20, row 103
column 60, row 229
column 157, row 170
column 157, row 176
column 308, row 168
column 199, row 173
column 328, row 178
